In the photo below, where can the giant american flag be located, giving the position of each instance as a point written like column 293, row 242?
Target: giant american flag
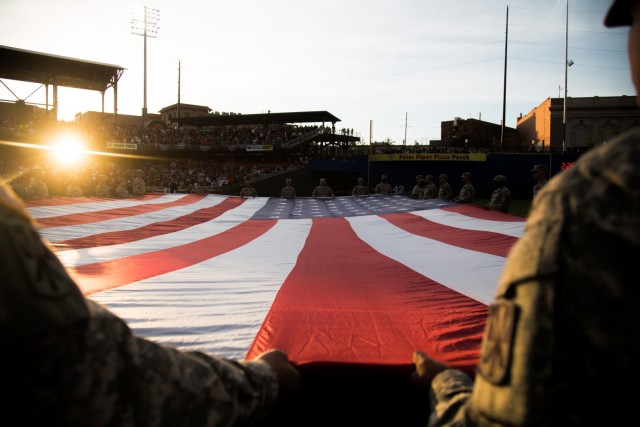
column 347, row 280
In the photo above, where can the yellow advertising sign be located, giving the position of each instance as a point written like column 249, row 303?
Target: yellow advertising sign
column 122, row 145
column 421, row 157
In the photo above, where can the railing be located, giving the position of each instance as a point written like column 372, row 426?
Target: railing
column 302, row 138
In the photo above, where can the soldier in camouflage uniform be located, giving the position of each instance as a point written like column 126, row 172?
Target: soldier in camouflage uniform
column 501, row 196
column 102, row 189
column 360, row 189
column 562, row 341
column 68, row 361
column 539, row 173
column 467, row 191
column 322, row 190
column 248, row 191
column 416, row 190
column 122, row 189
column 36, row 188
column 383, row 187
column 431, row 191
column 445, row 192
column 288, row 191
column 139, row 187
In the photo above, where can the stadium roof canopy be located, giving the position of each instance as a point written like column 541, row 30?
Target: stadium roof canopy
column 255, row 119
column 36, row 67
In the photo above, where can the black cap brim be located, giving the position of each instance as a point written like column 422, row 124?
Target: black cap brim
column 619, row 14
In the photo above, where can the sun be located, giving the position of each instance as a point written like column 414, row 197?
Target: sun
column 68, row 148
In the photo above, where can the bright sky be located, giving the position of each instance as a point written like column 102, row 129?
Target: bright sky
column 400, row 65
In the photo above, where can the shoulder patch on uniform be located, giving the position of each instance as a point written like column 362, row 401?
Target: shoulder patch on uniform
column 496, row 351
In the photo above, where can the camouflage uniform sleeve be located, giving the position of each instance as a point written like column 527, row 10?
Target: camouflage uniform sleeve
column 73, row 362
column 450, row 391
column 562, row 335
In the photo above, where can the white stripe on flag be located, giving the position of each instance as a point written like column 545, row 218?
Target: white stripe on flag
column 40, row 212
column 453, row 219
column 471, row 273
column 229, row 219
column 216, row 306
column 122, row 223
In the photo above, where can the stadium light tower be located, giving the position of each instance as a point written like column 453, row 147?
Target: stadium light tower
column 567, row 64
column 146, row 26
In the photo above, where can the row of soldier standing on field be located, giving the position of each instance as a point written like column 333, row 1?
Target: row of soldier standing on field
column 424, row 188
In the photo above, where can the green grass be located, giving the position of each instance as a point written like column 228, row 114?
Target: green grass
column 518, row 207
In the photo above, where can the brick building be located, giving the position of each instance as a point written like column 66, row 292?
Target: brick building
column 589, row 121
column 474, row 133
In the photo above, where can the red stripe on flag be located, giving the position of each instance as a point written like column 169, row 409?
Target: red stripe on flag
column 151, row 230
column 344, row 302
column 60, row 201
column 107, row 275
column 479, row 241
column 90, row 217
column 475, row 212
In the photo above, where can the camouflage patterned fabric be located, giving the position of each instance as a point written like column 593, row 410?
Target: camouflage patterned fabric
column 467, row 193
column 248, row 191
column 383, row 188
column 288, row 192
column 431, row 191
column 322, row 190
column 500, row 199
column 445, row 192
column 68, row 361
column 562, row 343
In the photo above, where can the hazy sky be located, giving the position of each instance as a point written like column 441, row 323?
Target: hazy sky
column 365, row 61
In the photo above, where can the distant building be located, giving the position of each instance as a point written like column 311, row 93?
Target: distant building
column 590, row 121
column 476, row 134
column 94, row 118
column 183, row 110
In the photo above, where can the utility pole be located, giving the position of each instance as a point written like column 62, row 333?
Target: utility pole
column 406, row 116
column 504, row 89
column 566, row 65
column 146, row 26
column 178, row 107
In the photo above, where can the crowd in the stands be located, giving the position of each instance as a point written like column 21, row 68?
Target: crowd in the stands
column 32, row 179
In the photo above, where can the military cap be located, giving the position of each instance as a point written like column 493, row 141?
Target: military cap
column 540, row 167
column 501, row 178
column 444, row 175
column 428, row 177
column 619, row 14
column 418, row 176
column 466, row 175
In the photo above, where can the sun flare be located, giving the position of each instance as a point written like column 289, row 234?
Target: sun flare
column 68, row 148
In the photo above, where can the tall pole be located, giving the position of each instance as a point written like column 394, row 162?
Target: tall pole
column 146, row 27
column 406, row 116
column 504, row 87
column 566, row 65
column 370, row 153
column 178, row 109
column 144, row 105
